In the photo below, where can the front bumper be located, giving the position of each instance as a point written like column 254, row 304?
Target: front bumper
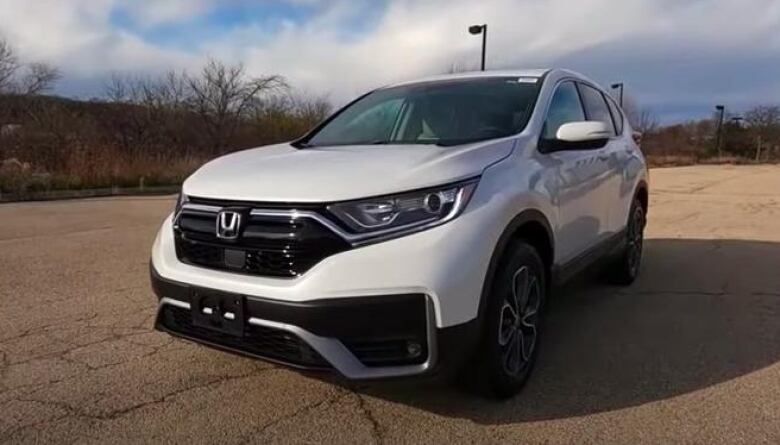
column 360, row 337
column 443, row 268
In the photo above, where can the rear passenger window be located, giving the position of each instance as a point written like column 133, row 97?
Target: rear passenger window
column 595, row 106
column 565, row 107
column 617, row 115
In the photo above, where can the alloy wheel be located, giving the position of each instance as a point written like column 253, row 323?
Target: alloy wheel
column 518, row 324
column 635, row 240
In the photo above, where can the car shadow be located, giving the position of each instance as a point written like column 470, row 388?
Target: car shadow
column 703, row 312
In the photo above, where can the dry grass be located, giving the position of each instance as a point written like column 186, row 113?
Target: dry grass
column 683, row 160
column 670, row 160
column 97, row 168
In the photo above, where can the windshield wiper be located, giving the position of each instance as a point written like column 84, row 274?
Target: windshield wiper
column 453, row 142
column 375, row 142
column 299, row 145
column 462, row 141
column 386, row 142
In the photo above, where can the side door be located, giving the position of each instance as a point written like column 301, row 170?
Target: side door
column 611, row 157
column 579, row 178
column 628, row 166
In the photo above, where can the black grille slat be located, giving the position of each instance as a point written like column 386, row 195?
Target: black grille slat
column 274, row 246
column 256, row 204
column 260, row 341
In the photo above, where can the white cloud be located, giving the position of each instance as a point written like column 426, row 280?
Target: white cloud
column 77, row 35
column 148, row 13
column 670, row 51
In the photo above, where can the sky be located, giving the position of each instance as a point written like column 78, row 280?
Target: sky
column 676, row 57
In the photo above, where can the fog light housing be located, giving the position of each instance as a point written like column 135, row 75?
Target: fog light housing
column 413, row 349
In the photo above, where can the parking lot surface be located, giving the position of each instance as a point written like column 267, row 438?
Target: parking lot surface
column 689, row 353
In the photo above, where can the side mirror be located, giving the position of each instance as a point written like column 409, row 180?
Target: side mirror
column 583, row 131
column 585, row 135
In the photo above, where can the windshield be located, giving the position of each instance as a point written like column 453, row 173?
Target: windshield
column 443, row 113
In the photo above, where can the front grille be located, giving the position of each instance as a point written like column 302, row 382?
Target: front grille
column 259, row 341
column 273, row 246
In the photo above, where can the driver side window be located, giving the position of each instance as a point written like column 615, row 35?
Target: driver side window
column 565, row 107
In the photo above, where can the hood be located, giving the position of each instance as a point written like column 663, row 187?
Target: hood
column 283, row 173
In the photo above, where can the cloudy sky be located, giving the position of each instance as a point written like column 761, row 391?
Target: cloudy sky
column 677, row 57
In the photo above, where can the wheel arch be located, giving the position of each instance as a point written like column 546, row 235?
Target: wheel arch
column 642, row 194
column 531, row 226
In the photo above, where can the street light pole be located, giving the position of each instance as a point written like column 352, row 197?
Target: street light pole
column 481, row 29
column 620, row 94
column 722, row 110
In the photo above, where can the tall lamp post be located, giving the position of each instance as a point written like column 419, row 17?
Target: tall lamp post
column 480, row 29
column 722, row 111
column 620, row 94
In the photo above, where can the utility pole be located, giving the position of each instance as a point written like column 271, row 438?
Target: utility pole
column 722, row 110
column 480, row 29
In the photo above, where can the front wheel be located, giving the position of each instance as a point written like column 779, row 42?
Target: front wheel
column 626, row 268
column 514, row 312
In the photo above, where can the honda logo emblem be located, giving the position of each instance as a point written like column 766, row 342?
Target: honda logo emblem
column 228, row 224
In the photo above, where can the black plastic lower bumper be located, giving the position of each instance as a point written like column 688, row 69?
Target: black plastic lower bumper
column 380, row 331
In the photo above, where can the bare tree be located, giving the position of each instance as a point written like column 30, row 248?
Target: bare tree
column 9, row 64
column 222, row 95
column 40, row 77
column 764, row 119
column 642, row 119
column 151, row 122
column 116, row 89
column 279, row 117
column 764, row 126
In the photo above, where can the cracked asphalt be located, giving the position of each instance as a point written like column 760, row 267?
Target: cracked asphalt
column 690, row 353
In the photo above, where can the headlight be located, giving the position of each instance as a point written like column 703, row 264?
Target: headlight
column 405, row 212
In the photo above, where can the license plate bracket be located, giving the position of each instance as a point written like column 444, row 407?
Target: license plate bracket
column 218, row 312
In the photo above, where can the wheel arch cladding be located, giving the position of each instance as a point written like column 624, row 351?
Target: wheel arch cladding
column 642, row 195
column 530, row 226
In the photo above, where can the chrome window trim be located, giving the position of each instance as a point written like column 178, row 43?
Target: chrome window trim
column 335, row 353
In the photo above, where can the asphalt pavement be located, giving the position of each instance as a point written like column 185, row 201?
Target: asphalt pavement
column 690, row 353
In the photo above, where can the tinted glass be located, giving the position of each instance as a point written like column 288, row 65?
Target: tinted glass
column 565, row 107
column 596, row 107
column 443, row 113
column 617, row 115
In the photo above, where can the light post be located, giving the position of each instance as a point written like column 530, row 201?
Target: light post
column 620, row 94
column 480, row 29
column 722, row 110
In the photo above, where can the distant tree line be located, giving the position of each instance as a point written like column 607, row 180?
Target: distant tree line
column 753, row 136
column 144, row 130
column 157, row 130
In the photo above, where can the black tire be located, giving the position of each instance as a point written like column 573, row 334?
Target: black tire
column 625, row 269
column 512, row 322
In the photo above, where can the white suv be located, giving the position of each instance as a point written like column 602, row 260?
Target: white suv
column 420, row 227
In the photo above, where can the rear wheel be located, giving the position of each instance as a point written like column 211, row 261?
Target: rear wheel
column 626, row 268
column 510, row 342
